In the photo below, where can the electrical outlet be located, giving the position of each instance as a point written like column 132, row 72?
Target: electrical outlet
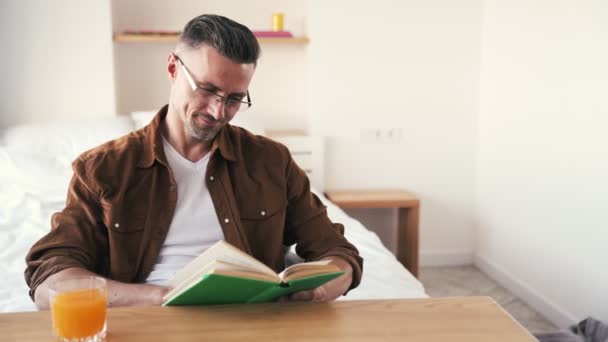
column 381, row 135
column 393, row 136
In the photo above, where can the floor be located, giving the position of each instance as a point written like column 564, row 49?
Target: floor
column 469, row 281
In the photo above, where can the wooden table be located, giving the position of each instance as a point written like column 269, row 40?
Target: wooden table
column 408, row 208
column 466, row 319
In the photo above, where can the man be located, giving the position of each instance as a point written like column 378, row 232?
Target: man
column 141, row 207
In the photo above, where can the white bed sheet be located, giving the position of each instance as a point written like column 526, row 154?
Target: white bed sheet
column 35, row 170
column 33, row 187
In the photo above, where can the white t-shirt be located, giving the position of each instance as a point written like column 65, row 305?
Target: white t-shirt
column 195, row 226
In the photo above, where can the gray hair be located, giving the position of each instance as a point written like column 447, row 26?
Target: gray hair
column 231, row 39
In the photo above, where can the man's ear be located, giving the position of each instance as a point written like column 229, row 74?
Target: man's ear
column 172, row 66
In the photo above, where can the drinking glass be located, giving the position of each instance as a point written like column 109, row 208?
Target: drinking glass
column 78, row 309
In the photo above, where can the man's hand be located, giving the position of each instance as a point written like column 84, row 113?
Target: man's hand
column 328, row 291
column 119, row 294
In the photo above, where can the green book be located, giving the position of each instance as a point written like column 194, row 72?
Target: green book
column 223, row 274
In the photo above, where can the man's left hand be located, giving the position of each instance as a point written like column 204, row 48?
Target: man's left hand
column 328, row 291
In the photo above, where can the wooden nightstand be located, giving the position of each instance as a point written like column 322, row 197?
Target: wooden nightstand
column 408, row 207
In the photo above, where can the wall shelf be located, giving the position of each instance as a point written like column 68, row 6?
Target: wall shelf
column 172, row 38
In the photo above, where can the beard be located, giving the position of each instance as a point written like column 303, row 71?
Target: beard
column 200, row 133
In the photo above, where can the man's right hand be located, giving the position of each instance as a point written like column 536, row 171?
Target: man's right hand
column 119, row 294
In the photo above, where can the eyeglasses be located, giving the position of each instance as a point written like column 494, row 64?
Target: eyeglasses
column 230, row 104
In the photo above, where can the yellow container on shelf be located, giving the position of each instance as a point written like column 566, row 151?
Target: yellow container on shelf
column 277, row 21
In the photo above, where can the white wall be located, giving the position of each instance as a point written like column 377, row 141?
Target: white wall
column 412, row 65
column 56, row 60
column 542, row 190
column 278, row 88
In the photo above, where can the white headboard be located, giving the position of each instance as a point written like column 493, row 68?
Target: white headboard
column 308, row 153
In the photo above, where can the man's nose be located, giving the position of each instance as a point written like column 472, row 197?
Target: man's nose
column 217, row 108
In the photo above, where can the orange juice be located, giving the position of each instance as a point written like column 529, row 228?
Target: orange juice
column 79, row 313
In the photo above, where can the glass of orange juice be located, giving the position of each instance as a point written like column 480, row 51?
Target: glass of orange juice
column 78, row 309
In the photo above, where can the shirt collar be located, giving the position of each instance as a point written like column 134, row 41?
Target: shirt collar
column 153, row 143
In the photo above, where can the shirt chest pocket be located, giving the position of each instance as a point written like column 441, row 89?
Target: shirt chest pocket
column 263, row 215
column 122, row 218
column 263, row 223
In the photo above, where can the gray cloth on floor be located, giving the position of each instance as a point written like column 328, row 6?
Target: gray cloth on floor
column 592, row 329
column 589, row 330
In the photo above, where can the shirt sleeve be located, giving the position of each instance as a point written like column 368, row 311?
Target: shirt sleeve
column 77, row 237
column 309, row 227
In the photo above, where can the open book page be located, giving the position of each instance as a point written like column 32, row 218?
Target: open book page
column 186, row 282
column 219, row 251
column 224, row 268
column 307, row 269
column 235, row 270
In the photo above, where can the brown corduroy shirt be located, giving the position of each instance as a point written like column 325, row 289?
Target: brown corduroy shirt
column 122, row 197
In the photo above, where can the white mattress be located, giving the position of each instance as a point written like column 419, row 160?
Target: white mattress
column 33, row 185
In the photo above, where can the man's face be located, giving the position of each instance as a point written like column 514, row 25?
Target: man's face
column 202, row 113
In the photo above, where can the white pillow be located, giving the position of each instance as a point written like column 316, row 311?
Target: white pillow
column 38, row 157
column 249, row 120
column 65, row 137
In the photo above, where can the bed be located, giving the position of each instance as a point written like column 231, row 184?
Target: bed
column 35, row 169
